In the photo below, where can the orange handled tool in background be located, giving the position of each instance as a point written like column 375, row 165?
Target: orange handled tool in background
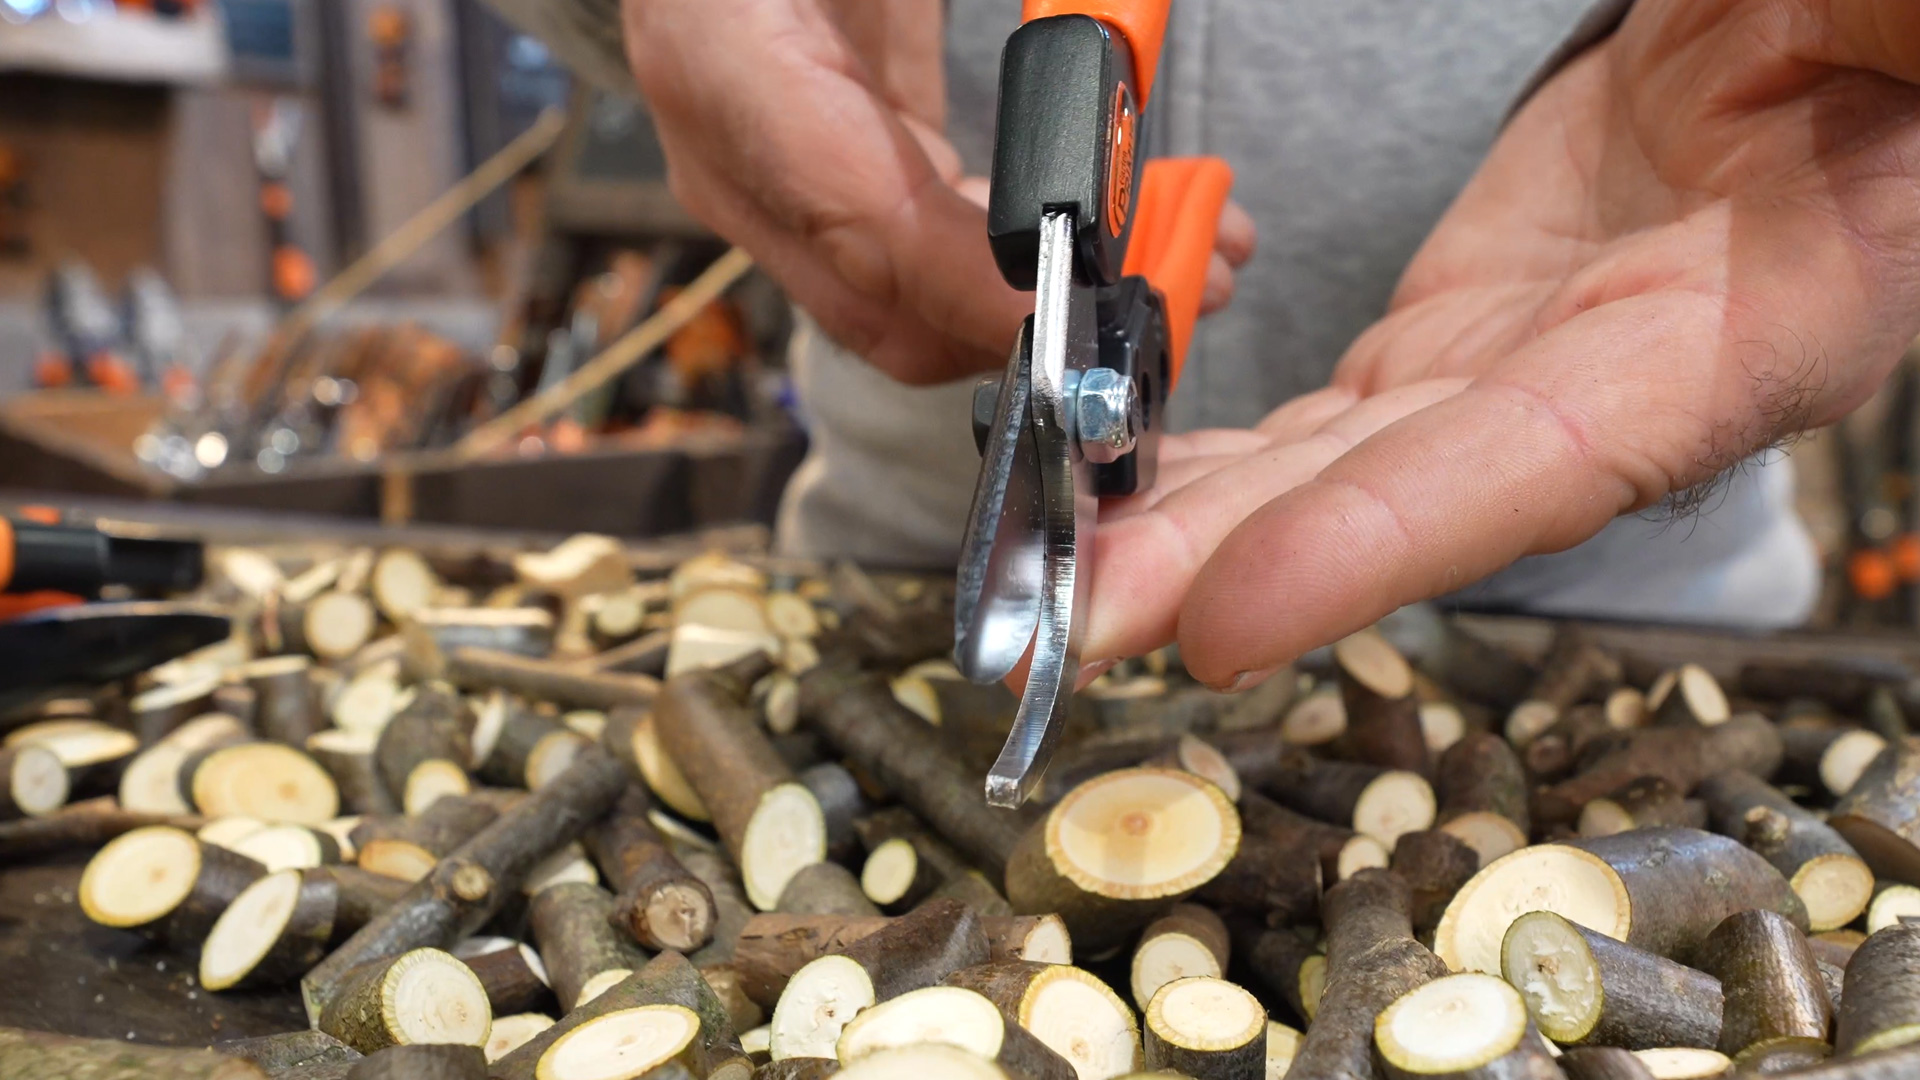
column 1116, row 252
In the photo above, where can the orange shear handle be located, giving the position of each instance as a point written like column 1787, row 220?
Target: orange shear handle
column 1176, row 221
column 1142, row 22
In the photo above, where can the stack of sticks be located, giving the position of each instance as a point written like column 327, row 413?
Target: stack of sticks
column 585, row 814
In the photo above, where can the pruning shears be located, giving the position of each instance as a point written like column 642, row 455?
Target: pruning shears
column 1116, row 251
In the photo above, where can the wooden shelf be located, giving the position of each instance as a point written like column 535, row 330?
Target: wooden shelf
column 119, row 48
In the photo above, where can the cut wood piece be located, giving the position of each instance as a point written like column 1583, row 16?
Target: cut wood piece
column 1190, row 753
column 1847, row 757
column 1626, row 708
column 1382, row 803
column 771, row 825
column 1120, row 849
column 402, row 584
column 627, row 1043
column 1528, row 721
column 272, row 933
column 565, row 865
column 1824, row 870
column 1280, row 877
column 791, row 615
column 422, row 996
column 897, row 872
column 1343, row 852
column 974, row 890
column 744, row 1012
column 1584, row 988
column 668, row 979
column 1696, row 699
column 731, row 909
column 151, row 782
column 423, row 1062
column 658, row 900
column 434, row 636
column 1278, row 960
column 513, row 975
column 368, row 700
column 1372, row 959
column 1575, row 669
column 227, row 831
column 510, row 1033
column 950, row 1016
column 1316, row 719
column 160, row 880
column 159, row 711
column 261, row 780
column 578, row 566
column 1602, row 1063
column 1880, row 1007
column 530, row 750
column 1442, row 724
column 331, row 626
column 927, row 1062
column 781, row 708
column 347, row 756
column 289, row 1050
column 408, row 847
column 95, row 754
column 1781, row 1056
column 917, row 950
column 1434, row 864
column 1682, row 756
column 1648, row 802
column 1283, row 1043
column 288, row 847
column 632, row 736
column 470, row 885
column 1661, row 889
column 1188, row 941
column 861, row 719
column 1204, row 1026
column 1892, row 904
column 432, row 780
column 481, row 670
column 581, row 949
column 79, row 827
column 33, row 782
column 1683, row 1063
column 423, row 751
column 770, row 948
column 1773, row 985
column 824, row 888
column 1880, row 814
column 842, row 803
column 697, row 646
column 1467, row 1025
column 1070, row 1010
column 1383, row 717
column 286, row 703
column 616, row 616
column 1555, row 752
column 57, row 1057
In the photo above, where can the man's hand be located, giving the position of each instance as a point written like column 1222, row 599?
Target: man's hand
column 811, row 133
column 1701, row 237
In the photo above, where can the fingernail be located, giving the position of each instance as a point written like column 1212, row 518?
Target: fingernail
column 1247, row 680
column 1090, row 672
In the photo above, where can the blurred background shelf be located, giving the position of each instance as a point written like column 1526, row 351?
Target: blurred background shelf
column 124, row 47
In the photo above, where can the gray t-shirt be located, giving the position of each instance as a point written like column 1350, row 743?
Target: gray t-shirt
column 1351, row 125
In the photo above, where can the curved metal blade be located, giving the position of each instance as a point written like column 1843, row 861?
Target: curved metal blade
column 1065, row 343
column 997, row 605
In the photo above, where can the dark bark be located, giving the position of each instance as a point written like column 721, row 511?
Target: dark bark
column 44, row 1056
column 513, row 985
column 1880, row 816
column 658, row 900
column 1822, row 868
column 825, row 889
column 289, row 1049
column 422, row 1063
column 1372, row 959
column 543, row 680
column 470, row 885
column 1880, row 1006
column 1683, row 756
column 435, row 726
column 577, row 939
column 860, row 717
column 1434, row 864
column 1682, row 883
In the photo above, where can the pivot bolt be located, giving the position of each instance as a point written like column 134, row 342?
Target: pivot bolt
column 1107, row 414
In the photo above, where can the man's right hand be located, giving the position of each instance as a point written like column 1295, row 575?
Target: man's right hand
column 810, row 133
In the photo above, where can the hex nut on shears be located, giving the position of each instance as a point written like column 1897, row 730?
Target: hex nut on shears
column 1107, row 415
